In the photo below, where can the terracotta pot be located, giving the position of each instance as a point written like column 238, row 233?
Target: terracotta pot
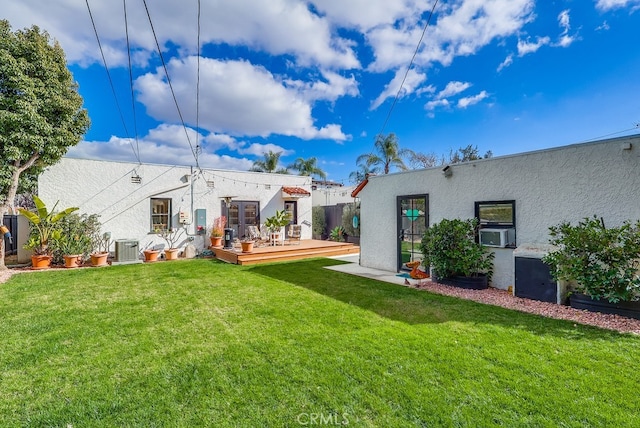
column 151, row 255
column 40, row 262
column 171, row 253
column 99, row 259
column 247, row 247
column 216, row 241
column 72, row 261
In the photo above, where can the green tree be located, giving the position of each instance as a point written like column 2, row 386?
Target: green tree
column 362, row 172
column 41, row 112
column 389, row 154
column 308, row 167
column 269, row 163
column 467, row 154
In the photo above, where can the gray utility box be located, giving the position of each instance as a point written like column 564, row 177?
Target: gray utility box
column 533, row 276
column 126, row 251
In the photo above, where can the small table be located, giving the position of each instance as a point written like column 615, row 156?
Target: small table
column 276, row 238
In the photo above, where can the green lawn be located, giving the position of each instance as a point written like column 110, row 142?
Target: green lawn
column 201, row 343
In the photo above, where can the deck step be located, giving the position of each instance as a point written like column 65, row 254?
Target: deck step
column 306, row 249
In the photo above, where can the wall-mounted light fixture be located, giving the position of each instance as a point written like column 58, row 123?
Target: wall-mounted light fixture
column 447, row 171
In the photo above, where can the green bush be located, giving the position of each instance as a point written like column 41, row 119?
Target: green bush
column 348, row 212
column 603, row 263
column 451, row 249
column 318, row 220
column 75, row 235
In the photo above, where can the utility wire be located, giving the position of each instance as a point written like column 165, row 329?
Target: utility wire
column 106, row 67
column 198, row 149
column 133, row 101
column 415, row 53
column 166, row 72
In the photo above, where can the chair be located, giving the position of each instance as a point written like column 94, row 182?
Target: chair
column 294, row 233
column 253, row 233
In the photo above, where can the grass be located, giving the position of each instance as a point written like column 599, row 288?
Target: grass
column 201, row 343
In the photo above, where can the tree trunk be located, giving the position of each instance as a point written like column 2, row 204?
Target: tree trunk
column 10, row 197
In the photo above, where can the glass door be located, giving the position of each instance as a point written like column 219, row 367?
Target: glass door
column 291, row 208
column 242, row 214
column 413, row 220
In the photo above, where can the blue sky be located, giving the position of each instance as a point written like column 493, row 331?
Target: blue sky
column 319, row 78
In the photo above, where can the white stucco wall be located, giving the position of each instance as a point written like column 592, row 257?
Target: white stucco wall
column 332, row 196
column 549, row 186
column 105, row 188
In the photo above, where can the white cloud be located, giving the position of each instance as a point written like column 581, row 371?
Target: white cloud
column 526, row 47
column 412, row 83
column 604, row 26
column 165, row 144
column 335, row 86
column 461, row 28
column 506, row 63
column 468, row 101
column 453, row 88
column 565, row 39
column 257, row 149
column 432, row 105
column 236, row 98
column 277, row 27
column 605, row 5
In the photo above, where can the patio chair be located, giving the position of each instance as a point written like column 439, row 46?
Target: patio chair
column 294, row 233
column 253, row 233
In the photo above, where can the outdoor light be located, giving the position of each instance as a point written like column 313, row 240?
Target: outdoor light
column 447, row 171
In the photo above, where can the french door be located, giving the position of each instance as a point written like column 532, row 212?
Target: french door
column 413, row 220
column 242, row 214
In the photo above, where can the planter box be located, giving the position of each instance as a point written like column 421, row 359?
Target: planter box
column 625, row 309
column 479, row 282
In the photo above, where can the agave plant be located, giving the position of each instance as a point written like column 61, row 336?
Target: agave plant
column 44, row 224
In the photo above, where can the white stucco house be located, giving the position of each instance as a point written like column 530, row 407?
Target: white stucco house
column 133, row 199
column 529, row 192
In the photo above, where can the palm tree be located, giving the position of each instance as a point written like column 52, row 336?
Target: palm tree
column 389, row 154
column 361, row 173
column 269, row 164
column 308, row 167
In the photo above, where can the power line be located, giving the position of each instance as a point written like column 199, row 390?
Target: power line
column 106, row 67
column 198, row 149
column 166, row 72
column 133, row 102
column 415, row 53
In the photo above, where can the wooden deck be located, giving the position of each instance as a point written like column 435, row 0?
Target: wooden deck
column 307, row 248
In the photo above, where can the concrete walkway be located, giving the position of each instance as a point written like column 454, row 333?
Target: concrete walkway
column 353, row 268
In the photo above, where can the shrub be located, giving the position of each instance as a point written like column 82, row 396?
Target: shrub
column 451, row 249
column 318, row 220
column 75, row 236
column 348, row 212
column 603, row 263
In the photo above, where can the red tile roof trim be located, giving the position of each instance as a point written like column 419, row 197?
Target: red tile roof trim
column 359, row 187
column 295, row 191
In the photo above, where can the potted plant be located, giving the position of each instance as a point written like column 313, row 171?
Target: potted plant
column 247, row 245
column 275, row 224
column 450, row 248
column 601, row 265
column 101, row 244
column 337, row 234
column 43, row 224
column 217, row 231
column 171, row 236
column 72, row 242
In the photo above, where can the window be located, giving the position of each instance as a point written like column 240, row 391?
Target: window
column 497, row 220
column 496, row 214
column 160, row 214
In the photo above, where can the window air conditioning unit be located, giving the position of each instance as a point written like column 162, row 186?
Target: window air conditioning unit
column 126, row 251
column 499, row 238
